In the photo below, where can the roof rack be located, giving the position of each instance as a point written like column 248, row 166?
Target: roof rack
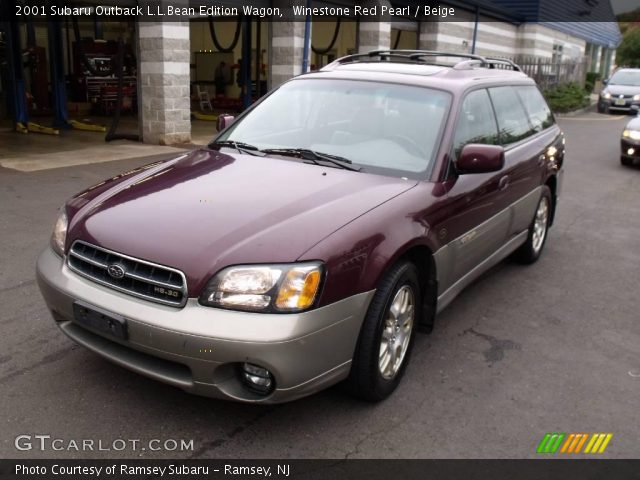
column 418, row 56
column 505, row 61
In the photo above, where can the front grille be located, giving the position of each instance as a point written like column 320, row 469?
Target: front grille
column 140, row 278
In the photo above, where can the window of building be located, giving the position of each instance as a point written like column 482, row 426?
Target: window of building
column 556, row 56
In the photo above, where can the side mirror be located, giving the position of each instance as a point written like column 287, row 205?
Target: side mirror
column 224, row 120
column 480, row 158
column 605, row 81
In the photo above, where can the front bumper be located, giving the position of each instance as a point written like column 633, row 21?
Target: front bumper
column 630, row 149
column 610, row 103
column 199, row 349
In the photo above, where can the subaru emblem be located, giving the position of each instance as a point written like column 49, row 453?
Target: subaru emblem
column 115, row 271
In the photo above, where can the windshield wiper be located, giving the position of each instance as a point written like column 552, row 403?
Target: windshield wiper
column 315, row 157
column 240, row 146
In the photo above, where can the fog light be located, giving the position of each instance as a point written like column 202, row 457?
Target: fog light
column 631, row 151
column 257, row 378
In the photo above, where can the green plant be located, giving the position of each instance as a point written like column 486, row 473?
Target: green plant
column 628, row 54
column 590, row 81
column 593, row 77
column 567, row 97
column 589, row 86
column 628, row 18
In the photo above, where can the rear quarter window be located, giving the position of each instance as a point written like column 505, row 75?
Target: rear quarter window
column 539, row 113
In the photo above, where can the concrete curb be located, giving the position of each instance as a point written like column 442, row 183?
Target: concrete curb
column 589, row 108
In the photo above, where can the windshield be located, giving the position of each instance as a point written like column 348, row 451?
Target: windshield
column 626, row 77
column 382, row 128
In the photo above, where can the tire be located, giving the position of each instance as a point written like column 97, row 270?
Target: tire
column 373, row 376
column 602, row 109
column 627, row 162
column 531, row 250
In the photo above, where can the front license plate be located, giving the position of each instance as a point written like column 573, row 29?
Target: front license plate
column 620, row 101
column 100, row 320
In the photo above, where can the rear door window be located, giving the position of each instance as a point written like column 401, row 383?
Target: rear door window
column 513, row 121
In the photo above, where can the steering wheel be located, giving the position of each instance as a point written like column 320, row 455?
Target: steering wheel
column 408, row 144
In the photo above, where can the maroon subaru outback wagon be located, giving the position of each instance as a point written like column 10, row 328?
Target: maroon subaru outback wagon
column 316, row 234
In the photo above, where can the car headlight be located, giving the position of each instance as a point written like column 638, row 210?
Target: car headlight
column 636, row 98
column 632, row 134
column 264, row 288
column 59, row 235
column 606, row 95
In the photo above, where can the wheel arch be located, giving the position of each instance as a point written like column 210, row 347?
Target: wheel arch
column 421, row 256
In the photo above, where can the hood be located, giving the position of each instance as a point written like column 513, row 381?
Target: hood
column 615, row 90
column 207, row 210
column 634, row 124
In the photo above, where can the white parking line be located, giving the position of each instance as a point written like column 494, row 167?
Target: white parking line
column 85, row 156
column 596, row 119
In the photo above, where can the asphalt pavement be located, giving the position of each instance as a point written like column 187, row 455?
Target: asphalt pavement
column 552, row 347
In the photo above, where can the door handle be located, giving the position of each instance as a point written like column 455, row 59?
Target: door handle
column 503, row 183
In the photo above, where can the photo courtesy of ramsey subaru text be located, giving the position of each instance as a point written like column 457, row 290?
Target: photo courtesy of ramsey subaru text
column 316, row 234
